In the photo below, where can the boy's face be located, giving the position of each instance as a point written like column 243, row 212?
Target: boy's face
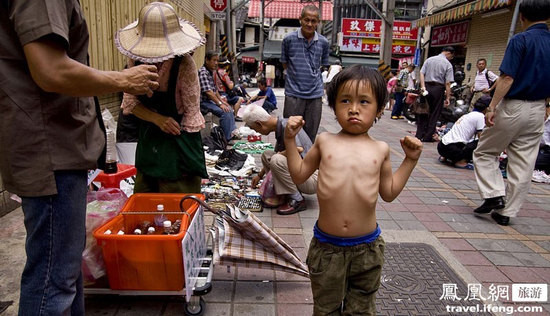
column 356, row 107
column 262, row 87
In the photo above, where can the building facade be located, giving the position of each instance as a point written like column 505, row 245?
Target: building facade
column 476, row 29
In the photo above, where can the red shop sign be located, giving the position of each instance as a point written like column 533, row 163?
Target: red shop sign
column 452, row 34
column 371, row 28
column 372, row 45
column 248, row 60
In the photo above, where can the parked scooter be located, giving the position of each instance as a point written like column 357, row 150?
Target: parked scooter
column 458, row 105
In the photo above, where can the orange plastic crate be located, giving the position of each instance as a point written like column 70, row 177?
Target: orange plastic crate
column 112, row 180
column 145, row 262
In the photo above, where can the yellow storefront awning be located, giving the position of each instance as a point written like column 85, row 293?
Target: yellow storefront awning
column 461, row 12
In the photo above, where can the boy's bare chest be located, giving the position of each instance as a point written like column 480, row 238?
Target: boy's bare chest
column 354, row 158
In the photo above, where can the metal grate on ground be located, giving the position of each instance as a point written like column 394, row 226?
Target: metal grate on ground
column 412, row 282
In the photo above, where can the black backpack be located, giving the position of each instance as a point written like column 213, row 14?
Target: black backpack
column 491, row 83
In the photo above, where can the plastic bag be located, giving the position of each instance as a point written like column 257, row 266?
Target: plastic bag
column 102, row 206
column 267, row 189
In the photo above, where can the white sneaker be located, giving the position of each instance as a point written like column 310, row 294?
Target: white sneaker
column 540, row 177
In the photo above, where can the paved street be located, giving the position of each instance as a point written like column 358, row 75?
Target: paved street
column 434, row 209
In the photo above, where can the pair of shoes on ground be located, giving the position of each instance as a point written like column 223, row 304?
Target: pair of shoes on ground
column 540, row 176
column 491, row 204
column 445, row 161
column 397, row 117
column 285, row 205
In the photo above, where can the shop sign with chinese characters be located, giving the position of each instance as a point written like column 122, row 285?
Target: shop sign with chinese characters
column 363, row 35
column 452, row 34
column 373, row 29
column 372, row 45
column 248, row 60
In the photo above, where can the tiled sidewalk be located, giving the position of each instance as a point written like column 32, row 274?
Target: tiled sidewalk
column 437, row 203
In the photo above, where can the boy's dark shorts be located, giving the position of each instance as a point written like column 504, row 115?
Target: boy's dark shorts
column 345, row 273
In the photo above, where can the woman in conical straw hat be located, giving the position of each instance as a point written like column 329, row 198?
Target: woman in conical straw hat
column 169, row 155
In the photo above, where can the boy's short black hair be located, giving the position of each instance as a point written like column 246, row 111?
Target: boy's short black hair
column 535, row 10
column 359, row 73
column 262, row 82
column 482, row 103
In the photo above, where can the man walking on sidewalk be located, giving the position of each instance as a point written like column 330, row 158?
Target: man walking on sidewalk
column 303, row 53
column 436, row 76
column 515, row 120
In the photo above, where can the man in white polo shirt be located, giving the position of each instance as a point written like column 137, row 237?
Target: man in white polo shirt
column 483, row 83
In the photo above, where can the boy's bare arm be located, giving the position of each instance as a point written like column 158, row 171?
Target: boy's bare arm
column 392, row 185
column 300, row 169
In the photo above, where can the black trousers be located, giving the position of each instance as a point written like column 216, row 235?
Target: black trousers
column 457, row 151
column 543, row 159
column 425, row 124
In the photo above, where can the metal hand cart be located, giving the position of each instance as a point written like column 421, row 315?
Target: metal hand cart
column 196, row 254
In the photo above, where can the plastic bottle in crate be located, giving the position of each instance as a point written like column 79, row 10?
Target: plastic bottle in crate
column 167, row 225
column 160, row 218
column 111, row 156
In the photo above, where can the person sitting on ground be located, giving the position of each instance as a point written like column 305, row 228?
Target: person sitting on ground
column 288, row 194
column 241, row 91
column 211, row 100
column 354, row 168
column 458, row 145
column 266, row 93
column 225, row 85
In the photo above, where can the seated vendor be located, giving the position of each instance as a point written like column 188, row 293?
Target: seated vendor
column 458, row 145
column 225, row 85
column 289, row 199
column 266, row 93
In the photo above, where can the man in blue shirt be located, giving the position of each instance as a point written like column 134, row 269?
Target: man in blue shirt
column 515, row 120
column 303, row 53
column 266, row 93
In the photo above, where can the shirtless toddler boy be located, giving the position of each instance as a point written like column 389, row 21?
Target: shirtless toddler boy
column 347, row 252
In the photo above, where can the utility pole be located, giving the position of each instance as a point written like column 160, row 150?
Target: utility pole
column 228, row 28
column 320, row 26
column 262, row 7
column 388, row 8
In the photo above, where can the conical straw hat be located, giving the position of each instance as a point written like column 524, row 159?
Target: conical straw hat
column 158, row 35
